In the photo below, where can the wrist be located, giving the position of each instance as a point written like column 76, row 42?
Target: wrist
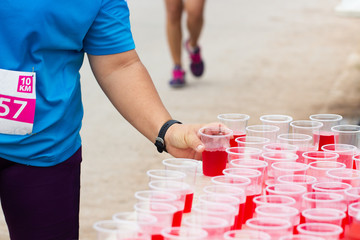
column 160, row 139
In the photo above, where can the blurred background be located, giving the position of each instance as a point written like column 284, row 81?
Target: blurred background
column 262, row 57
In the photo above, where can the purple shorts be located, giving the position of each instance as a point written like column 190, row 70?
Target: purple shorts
column 41, row 202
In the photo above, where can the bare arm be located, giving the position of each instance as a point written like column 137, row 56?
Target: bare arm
column 129, row 87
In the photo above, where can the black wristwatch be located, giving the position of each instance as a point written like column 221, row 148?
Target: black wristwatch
column 159, row 141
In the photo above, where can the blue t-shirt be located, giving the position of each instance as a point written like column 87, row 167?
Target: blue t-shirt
column 51, row 37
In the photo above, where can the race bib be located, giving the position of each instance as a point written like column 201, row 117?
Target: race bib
column 17, row 102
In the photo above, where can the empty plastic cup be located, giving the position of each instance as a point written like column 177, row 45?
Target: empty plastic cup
column 237, row 123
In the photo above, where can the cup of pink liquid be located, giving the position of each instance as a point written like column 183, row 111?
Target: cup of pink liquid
column 246, row 234
column 345, row 151
column 324, row 200
column 252, row 141
column 292, row 190
column 301, row 237
column 302, row 141
column 314, row 156
column 318, row 169
column 308, row 127
column 214, row 157
column 324, row 215
column 288, row 168
column 356, row 160
column 274, row 200
column 275, row 227
column 237, row 123
column 352, row 195
column 243, row 153
column 280, row 147
column 326, row 230
column 345, row 175
column 304, row 180
column 326, row 136
column 281, row 121
column 179, row 233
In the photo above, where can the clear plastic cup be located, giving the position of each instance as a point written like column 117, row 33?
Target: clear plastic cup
column 292, row 190
column 226, row 190
column 324, row 215
column 246, row 234
column 301, row 237
column 326, row 136
column 163, row 212
column 280, row 147
column 280, row 211
column 314, row 156
column 221, row 210
column 180, row 189
column 334, row 187
column 281, row 121
column 275, row 227
column 345, row 175
column 274, row 200
column 356, row 159
column 352, row 195
column 252, row 141
column 249, row 164
column 155, row 196
column 214, row 226
column 347, row 134
column 162, row 174
column 304, row 180
column 243, row 153
column 214, row 157
column 354, row 210
column 266, row 131
column 237, row 123
column 189, row 167
column 235, row 181
column 308, row 127
column 224, row 199
column 318, row 169
column 302, row 141
column 110, row 229
column 273, row 157
column 288, row 168
column 345, row 151
column 326, row 230
column 184, row 233
column 324, row 200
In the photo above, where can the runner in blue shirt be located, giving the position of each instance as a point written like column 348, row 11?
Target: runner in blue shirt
column 42, row 46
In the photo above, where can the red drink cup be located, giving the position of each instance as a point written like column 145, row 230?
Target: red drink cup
column 275, row 227
column 318, row 169
column 334, row 187
column 288, row 168
column 216, row 140
column 280, row 147
column 345, row 151
column 214, row 226
column 345, row 175
column 252, row 141
column 308, row 127
column 356, row 160
column 250, row 164
column 354, row 210
column 352, row 195
column 324, row 215
column 265, row 131
column 274, row 200
column 304, row 180
column 281, row 121
column 301, row 237
column 243, row 153
column 220, row 210
column 326, row 230
column 292, row 190
column 237, row 123
column 178, row 233
column 314, row 156
column 302, row 141
column 246, row 235
column 324, row 200
column 273, row 157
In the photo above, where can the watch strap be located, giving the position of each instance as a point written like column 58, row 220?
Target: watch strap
column 160, row 139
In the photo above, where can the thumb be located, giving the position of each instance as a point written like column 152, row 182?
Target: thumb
column 194, row 142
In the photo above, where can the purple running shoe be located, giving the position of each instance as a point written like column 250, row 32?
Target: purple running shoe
column 197, row 64
column 178, row 79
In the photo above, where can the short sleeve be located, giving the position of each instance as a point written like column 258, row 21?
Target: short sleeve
column 110, row 32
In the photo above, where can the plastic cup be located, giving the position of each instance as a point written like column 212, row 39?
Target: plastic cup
column 326, row 136
column 303, row 180
column 221, row 210
column 288, row 168
column 347, row 134
column 280, row 211
column 237, row 123
column 354, row 210
column 352, row 195
column 189, row 167
column 324, row 215
column 246, row 235
column 318, row 169
column 326, row 230
column 345, row 175
column 314, row 156
column 356, row 159
column 243, row 153
column 308, row 127
column 249, row 164
column 214, row 226
column 155, row 196
column 302, row 141
column 180, row 189
column 274, row 200
column 162, row 174
column 280, row 147
column 163, row 212
column 301, row 237
column 273, row 157
column 292, row 190
column 281, row 121
column 345, row 151
column 324, row 200
column 112, row 230
column 226, row 190
column 334, row 187
column 143, row 222
column 252, row 141
column 266, row 131
column 184, row 233
column 214, row 157
column 275, row 227
column 235, row 181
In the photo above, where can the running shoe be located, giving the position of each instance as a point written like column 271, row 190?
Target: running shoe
column 197, row 64
column 178, row 78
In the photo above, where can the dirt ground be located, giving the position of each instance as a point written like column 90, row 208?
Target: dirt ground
column 262, row 57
